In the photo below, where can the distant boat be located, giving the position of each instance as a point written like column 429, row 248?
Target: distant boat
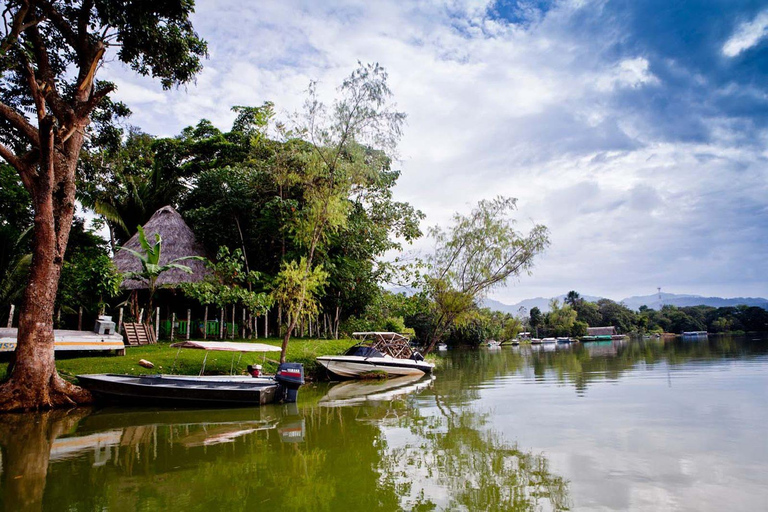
column 442, row 347
column 515, row 342
column 535, row 341
column 492, row 344
column 563, row 340
column 599, row 337
column 547, row 341
column 695, row 334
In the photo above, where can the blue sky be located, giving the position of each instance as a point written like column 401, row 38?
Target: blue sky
column 636, row 131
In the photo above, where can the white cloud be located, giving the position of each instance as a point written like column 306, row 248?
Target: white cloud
column 747, row 35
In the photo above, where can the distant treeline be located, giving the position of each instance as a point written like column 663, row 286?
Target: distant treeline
column 669, row 318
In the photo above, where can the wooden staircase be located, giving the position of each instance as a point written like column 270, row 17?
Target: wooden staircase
column 139, row 334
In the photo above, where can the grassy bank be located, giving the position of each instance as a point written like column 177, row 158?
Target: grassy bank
column 190, row 361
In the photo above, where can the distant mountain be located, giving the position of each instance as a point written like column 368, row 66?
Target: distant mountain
column 539, row 302
column 652, row 301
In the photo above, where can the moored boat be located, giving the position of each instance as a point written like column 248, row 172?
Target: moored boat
column 183, row 390
column 378, row 352
column 547, row 341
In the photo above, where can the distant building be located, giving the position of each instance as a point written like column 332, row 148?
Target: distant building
column 601, row 331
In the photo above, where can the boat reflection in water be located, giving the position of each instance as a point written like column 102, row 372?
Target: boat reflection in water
column 360, row 392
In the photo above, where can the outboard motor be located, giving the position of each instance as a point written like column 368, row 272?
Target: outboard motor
column 416, row 356
column 290, row 376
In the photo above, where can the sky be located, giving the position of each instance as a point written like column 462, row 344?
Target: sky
column 637, row 132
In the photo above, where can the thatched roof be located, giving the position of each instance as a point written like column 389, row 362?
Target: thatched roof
column 178, row 241
column 601, row 331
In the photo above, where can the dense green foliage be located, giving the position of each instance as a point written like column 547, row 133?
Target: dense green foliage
column 669, row 318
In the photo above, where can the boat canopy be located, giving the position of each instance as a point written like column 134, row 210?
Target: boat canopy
column 390, row 343
column 227, row 346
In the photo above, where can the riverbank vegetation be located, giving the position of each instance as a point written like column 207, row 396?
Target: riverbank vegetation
column 575, row 315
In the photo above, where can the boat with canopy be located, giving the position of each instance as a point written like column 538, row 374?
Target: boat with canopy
column 377, row 352
column 219, row 390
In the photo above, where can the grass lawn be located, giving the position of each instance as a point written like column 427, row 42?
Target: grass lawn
column 190, row 361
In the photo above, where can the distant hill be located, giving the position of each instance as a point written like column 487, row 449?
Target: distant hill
column 539, row 302
column 652, row 301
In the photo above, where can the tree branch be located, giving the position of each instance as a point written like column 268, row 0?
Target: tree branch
column 21, row 123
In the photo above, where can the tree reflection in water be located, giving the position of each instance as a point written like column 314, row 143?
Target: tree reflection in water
column 452, row 461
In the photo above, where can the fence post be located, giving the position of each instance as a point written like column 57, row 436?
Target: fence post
column 221, row 325
column 189, row 322
column 120, row 321
column 80, row 318
column 173, row 321
column 157, row 323
column 243, row 327
column 10, row 317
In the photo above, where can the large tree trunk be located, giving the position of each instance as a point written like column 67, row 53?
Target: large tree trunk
column 34, row 381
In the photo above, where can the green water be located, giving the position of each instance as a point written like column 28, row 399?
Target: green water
column 635, row 425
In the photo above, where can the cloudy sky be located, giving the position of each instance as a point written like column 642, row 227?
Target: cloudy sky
column 636, row 131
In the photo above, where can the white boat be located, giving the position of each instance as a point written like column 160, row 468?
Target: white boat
column 547, row 341
column 492, row 344
column 535, row 341
column 442, row 347
column 378, row 352
column 563, row 339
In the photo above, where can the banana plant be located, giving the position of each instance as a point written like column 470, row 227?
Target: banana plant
column 151, row 269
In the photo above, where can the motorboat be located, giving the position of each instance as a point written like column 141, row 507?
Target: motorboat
column 563, row 340
column 547, row 341
column 385, row 353
column 535, row 341
column 492, row 344
column 210, row 390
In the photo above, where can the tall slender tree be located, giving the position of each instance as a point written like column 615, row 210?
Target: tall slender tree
column 50, row 53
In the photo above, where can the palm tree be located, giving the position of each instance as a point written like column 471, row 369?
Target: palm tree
column 150, row 263
column 572, row 298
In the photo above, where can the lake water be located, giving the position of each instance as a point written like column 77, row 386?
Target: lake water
column 632, row 425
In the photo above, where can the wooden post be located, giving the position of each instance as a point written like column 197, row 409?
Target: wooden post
column 266, row 325
column 232, row 335
column 157, row 323
column 243, row 327
column 141, row 314
column 189, row 322
column 221, row 325
column 120, row 321
column 173, row 321
column 10, row 317
column 256, row 326
column 80, row 318
column 205, row 324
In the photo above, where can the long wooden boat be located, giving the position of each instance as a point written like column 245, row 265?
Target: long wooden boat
column 183, row 390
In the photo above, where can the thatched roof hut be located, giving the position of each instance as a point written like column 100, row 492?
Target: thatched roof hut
column 178, row 241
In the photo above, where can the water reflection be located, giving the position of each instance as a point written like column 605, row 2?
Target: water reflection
column 583, row 426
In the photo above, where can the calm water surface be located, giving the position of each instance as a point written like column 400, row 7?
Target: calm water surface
column 635, row 425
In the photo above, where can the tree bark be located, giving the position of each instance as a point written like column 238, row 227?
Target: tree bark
column 34, row 382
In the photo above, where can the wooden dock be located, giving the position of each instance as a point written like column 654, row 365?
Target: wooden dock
column 67, row 340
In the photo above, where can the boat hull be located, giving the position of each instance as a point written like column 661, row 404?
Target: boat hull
column 182, row 390
column 351, row 367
